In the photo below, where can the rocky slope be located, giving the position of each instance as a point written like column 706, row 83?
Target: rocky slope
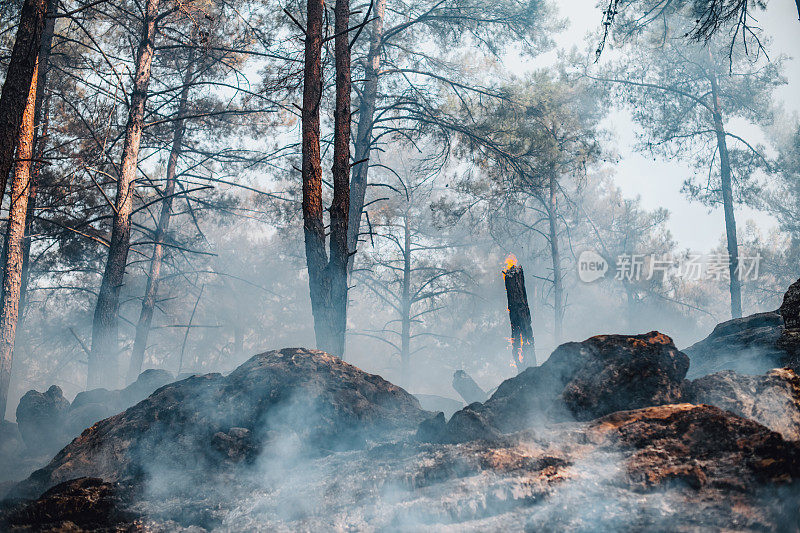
column 599, row 438
column 678, row 467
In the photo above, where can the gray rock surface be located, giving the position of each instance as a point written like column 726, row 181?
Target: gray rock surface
column 580, row 381
column 746, row 345
column 772, row 400
column 41, row 417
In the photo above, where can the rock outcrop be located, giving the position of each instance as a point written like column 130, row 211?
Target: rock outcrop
column 753, row 344
column 581, row 381
column 41, row 417
column 47, row 421
column 747, row 345
column 772, row 399
column 296, row 398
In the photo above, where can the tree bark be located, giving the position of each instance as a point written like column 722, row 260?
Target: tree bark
column 327, row 279
column 313, row 224
column 366, row 121
column 522, row 344
column 103, row 358
column 727, row 202
column 15, row 235
column 154, row 274
column 555, row 254
column 340, row 208
column 41, row 121
column 19, row 79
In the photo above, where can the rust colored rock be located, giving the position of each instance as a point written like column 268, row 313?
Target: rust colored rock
column 772, row 400
column 700, row 445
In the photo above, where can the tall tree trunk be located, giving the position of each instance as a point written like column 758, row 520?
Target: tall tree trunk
column 727, row 201
column 405, row 307
column 555, row 254
column 41, row 121
column 20, row 76
column 366, row 121
column 15, row 235
column 103, row 358
column 313, row 224
column 327, row 279
column 340, row 208
column 154, row 275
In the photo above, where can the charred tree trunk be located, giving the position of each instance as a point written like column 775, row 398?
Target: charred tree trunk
column 327, row 278
column 103, row 364
column 405, row 306
column 366, row 122
column 523, row 348
column 727, row 202
column 20, row 76
column 466, row 387
column 154, row 275
column 555, row 254
column 15, row 236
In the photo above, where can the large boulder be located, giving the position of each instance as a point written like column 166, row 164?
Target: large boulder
column 289, row 401
column 746, row 345
column 41, row 417
column 772, row 400
column 581, row 381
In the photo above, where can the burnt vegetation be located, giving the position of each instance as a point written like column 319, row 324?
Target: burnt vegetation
column 543, row 282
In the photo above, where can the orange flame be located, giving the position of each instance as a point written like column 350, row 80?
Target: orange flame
column 511, row 261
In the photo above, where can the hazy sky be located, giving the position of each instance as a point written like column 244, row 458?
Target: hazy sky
column 659, row 182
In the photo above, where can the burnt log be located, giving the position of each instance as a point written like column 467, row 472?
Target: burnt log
column 522, row 345
column 467, row 388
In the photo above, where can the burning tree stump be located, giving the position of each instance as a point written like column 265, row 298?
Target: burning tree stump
column 522, row 345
